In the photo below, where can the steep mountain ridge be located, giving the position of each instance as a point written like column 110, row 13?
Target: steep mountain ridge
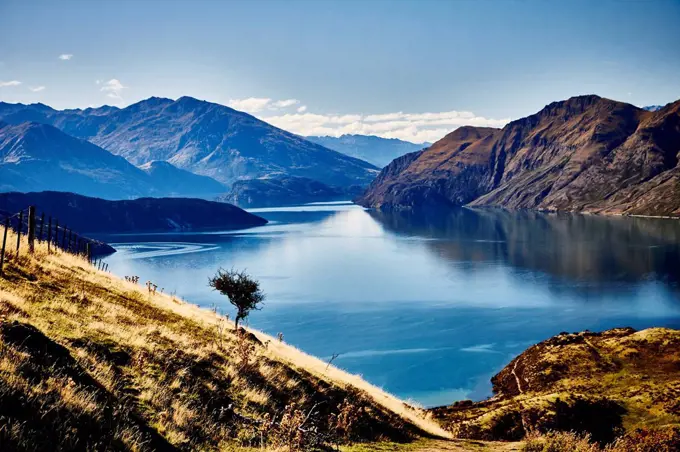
column 36, row 156
column 199, row 136
column 584, row 154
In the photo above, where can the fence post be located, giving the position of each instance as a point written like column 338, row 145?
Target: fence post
column 49, row 235
column 56, row 234
column 69, row 246
column 42, row 223
column 4, row 240
column 63, row 238
column 31, row 229
column 88, row 251
column 19, row 224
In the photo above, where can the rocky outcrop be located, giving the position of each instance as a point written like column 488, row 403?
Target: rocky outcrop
column 597, row 383
column 585, row 154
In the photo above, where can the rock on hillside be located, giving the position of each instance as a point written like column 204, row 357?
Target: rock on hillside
column 201, row 137
column 584, row 154
column 598, row 383
column 95, row 215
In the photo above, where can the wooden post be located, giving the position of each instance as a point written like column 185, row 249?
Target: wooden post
column 69, row 246
column 49, row 235
column 19, row 224
column 63, row 238
column 42, row 223
column 31, row 229
column 4, row 240
column 56, row 234
column 88, row 252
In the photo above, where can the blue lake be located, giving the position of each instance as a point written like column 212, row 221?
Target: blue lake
column 427, row 306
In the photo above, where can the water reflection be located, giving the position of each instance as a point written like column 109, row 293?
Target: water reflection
column 598, row 251
column 428, row 306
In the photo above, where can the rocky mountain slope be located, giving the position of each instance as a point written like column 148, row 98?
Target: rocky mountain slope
column 376, row 150
column 282, row 191
column 202, row 137
column 584, row 154
column 36, row 156
column 95, row 215
column 603, row 384
column 172, row 181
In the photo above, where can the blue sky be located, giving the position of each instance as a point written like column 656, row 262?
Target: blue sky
column 408, row 69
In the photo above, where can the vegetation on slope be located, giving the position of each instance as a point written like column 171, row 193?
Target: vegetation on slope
column 601, row 384
column 90, row 362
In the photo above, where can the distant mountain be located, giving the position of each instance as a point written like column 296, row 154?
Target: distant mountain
column 94, row 215
column 284, row 191
column 584, row 154
column 172, row 181
column 376, row 150
column 653, row 107
column 201, row 137
column 35, row 156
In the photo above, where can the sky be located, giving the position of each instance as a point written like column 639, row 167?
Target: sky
column 413, row 70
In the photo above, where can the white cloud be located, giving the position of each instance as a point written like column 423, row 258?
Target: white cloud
column 302, row 109
column 36, row 89
column 65, row 56
column 258, row 104
column 113, row 88
column 284, row 103
column 10, row 83
column 250, row 105
column 415, row 127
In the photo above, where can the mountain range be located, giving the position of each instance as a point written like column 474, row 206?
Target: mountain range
column 586, row 154
column 36, row 157
column 202, row 137
column 376, row 150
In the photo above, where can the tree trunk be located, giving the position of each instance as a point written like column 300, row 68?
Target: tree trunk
column 238, row 317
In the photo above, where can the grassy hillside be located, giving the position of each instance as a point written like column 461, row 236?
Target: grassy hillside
column 90, row 361
column 602, row 384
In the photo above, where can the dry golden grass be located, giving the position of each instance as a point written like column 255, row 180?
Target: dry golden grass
column 162, row 372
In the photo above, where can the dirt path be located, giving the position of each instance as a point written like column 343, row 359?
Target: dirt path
column 514, row 374
column 466, row 445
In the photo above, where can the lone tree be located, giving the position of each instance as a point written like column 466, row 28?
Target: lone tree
column 242, row 290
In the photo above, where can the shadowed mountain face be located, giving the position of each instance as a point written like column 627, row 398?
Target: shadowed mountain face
column 95, row 215
column 40, row 157
column 35, row 156
column 177, row 182
column 376, row 150
column 283, row 191
column 583, row 154
column 202, row 137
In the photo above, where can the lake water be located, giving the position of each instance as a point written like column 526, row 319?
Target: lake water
column 428, row 307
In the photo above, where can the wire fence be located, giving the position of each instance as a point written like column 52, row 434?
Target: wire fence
column 48, row 231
